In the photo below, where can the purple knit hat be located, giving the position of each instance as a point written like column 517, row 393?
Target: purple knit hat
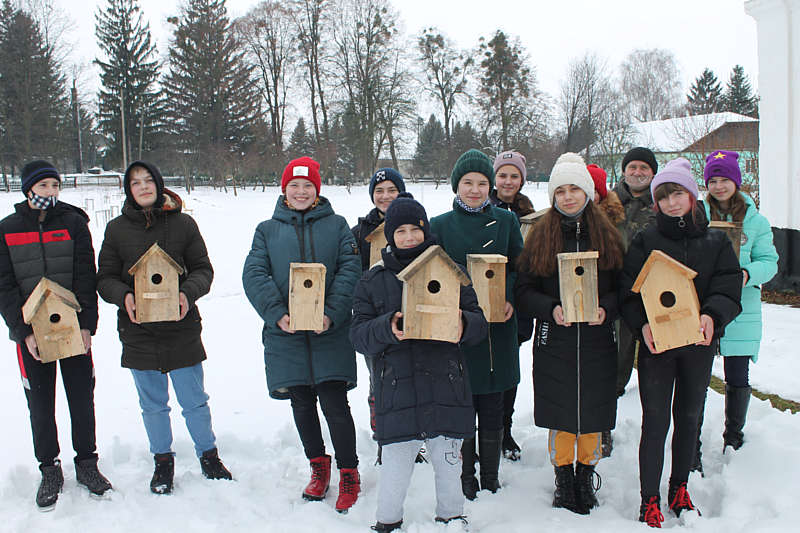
column 511, row 158
column 676, row 171
column 723, row 164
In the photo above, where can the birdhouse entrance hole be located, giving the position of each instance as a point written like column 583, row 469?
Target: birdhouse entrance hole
column 308, row 284
column 579, row 271
column 490, row 274
column 156, row 279
column 434, row 286
column 55, row 318
column 667, row 299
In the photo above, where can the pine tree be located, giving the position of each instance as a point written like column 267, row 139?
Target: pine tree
column 739, row 96
column 129, row 75
column 212, row 102
column 34, row 104
column 705, row 95
column 429, row 157
column 301, row 143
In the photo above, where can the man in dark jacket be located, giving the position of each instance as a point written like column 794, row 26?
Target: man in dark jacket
column 45, row 238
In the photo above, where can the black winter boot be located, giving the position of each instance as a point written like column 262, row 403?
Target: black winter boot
column 490, row 443
column 650, row 511
column 607, row 443
column 212, row 465
column 737, row 400
column 697, row 462
column 163, row 473
column 586, row 487
column 679, row 499
column 511, row 449
column 385, row 528
column 51, row 484
column 564, row 495
column 469, row 485
column 89, row 476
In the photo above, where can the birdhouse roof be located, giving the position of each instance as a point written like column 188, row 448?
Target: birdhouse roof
column 47, row 289
column 428, row 255
column 530, row 218
column 486, row 258
column 154, row 251
column 659, row 257
column 578, row 256
column 377, row 233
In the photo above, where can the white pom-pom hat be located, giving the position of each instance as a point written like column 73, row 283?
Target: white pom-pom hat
column 570, row 169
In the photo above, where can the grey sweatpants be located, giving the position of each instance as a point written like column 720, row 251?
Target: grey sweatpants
column 397, row 465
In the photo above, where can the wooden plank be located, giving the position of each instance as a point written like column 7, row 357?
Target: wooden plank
column 57, row 331
column 577, row 281
column 156, row 275
column 431, row 299
column 306, row 296
column 488, row 273
column 377, row 242
column 672, row 307
column 655, row 257
column 734, row 232
column 422, row 260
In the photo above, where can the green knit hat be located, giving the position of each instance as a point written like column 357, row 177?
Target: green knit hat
column 472, row 161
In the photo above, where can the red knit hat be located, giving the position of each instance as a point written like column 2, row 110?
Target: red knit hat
column 303, row 167
column 599, row 178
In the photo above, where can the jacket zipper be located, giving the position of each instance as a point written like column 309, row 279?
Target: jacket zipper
column 41, row 245
column 301, row 234
column 578, row 351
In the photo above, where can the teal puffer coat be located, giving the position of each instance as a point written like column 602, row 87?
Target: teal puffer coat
column 493, row 363
column 760, row 259
column 314, row 236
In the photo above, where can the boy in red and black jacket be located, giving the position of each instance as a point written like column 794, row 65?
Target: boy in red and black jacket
column 48, row 238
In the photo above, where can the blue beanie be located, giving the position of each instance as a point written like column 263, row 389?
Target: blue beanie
column 405, row 210
column 386, row 174
column 36, row 171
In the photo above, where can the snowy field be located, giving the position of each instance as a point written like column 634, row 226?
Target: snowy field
column 752, row 490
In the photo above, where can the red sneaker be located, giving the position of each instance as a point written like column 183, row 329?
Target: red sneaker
column 320, row 478
column 650, row 512
column 349, row 487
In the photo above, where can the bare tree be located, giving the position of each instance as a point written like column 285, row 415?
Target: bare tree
column 613, row 135
column 583, row 101
column 651, row 84
column 445, row 70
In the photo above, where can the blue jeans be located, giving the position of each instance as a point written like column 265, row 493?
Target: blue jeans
column 153, row 390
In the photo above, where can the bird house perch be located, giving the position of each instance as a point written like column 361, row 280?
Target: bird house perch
column 155, row 284
column 52, row 311
column 377, row 242
column 526, row 222
column 670, row 301
column 488, row 273
column 306, row 296
column 432, row 296
column 577, row 282
column 734, row 232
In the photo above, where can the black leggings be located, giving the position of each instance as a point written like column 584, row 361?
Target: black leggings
column 687, row 372
column 489, row 408
column 333, row 400
column 737, row 370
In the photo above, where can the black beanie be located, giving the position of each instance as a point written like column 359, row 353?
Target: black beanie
column 386, row 174
column 640, row 153
column 153, row 170
column 36, row 171
column 405, row 210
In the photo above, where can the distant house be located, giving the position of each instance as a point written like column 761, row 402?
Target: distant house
column 694, row 137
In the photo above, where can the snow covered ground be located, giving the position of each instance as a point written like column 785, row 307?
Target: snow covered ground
column 752, row 490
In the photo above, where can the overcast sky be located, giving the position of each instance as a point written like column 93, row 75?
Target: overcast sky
column 713, row 33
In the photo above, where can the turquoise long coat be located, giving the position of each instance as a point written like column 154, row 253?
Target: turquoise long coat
column 760, row 259
column 493, row 363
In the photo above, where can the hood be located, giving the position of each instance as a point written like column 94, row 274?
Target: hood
column 153, row 170
column 283, row 213
column 613, row 208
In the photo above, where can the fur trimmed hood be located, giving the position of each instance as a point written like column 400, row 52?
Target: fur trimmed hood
column 613, row 208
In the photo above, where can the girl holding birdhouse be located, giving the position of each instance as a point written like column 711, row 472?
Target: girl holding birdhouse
column 162, row 350
column 307, row 365
column 47, row 238
column 421, row 386
column 574, row 363
column 673, row 383
column 474, row 226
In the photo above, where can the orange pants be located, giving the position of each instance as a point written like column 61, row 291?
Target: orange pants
column 561, row 445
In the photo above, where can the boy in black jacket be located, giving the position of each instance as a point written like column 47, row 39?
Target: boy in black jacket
column 47, row 238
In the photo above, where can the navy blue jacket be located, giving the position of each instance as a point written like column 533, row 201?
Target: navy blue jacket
column 422, row 389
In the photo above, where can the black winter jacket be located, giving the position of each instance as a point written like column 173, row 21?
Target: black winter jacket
column 575, row 367
column 160, row 346
column 58, row 248
column 422, row 389
column 706, row 251
column 361, row 231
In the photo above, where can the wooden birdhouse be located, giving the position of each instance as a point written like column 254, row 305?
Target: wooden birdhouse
column 526, row 222
column 577, row 283
column 306, row 296
column 734, row 232
column 670, row 301
column 377, row 242
column 155, row 285
column 52, row 312
column 432, row 296
column 488, row 273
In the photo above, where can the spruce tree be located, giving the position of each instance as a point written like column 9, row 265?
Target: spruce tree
column 431, row 146
column 129, row 75
column 705, row 95
column 301, row 143
column 212, row 101
column 739, row 96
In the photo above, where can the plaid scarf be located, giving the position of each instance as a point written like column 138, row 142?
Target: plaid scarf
column 43, row 202
column 469, row 209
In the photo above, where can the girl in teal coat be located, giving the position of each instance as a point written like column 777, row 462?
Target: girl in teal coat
column 474, row 226
column 305, row 365
column 759, row 261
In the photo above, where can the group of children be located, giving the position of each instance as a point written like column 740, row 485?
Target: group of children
column 423, row 393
